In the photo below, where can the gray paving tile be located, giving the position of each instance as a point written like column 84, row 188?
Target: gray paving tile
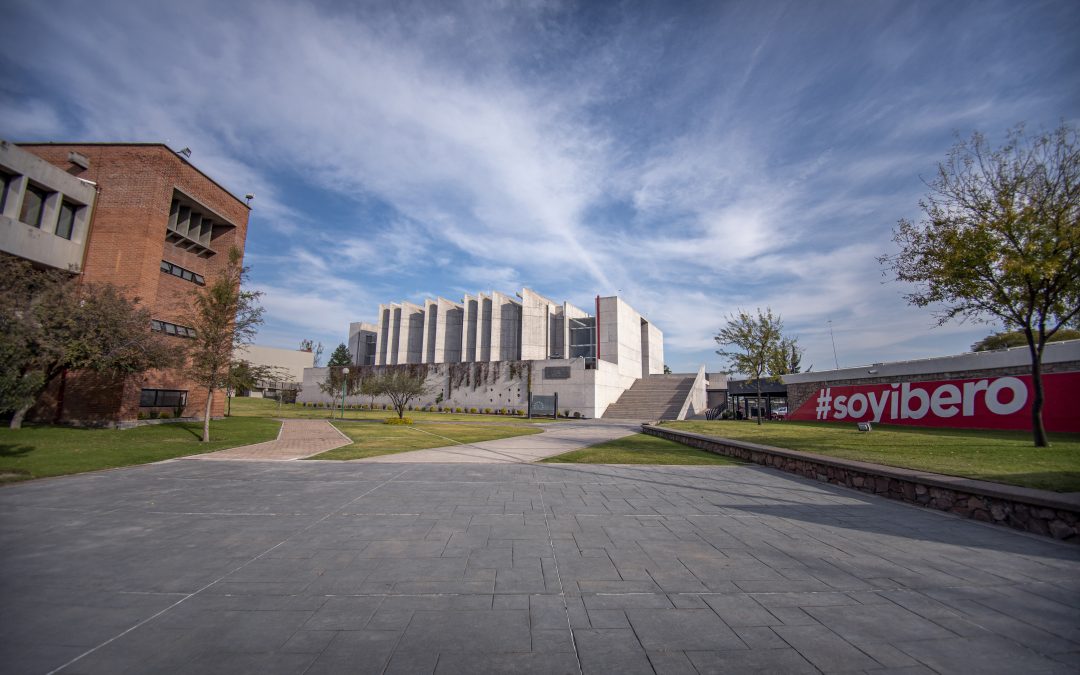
column 763, row 661
column 682, row 630
column 981, row 655
column 864, row 624
column 491, row 631
column 824, row 649
column 540, row 664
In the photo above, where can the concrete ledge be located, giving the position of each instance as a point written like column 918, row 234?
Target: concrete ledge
column 1040, row 511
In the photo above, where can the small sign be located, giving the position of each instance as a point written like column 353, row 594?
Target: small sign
column 864, row 426
column 557, row 373
column 543, row 405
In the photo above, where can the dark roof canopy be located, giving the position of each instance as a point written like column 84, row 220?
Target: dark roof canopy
column 749, row 388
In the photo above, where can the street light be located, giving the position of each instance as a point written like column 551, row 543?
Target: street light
column 344, row 379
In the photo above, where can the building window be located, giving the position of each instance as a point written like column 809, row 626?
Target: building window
column 171, row 329
column 33, row 205
column 6, row 179
column 583, row 337
column 177, row 271
column 65, row 225
column 162, row 398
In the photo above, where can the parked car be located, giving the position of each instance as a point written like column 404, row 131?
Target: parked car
column 780, row 413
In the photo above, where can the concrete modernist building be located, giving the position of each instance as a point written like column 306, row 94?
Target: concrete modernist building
column 136, row 215
column 487, row 350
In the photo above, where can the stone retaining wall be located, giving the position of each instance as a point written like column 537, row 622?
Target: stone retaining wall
column 1038, row 511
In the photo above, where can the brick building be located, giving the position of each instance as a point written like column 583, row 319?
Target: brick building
column 157, row 227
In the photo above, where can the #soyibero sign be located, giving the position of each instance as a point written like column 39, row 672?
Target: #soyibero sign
column 978, row 403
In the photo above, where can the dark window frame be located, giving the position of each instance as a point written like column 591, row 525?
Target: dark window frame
column 172, row 329
column 158, row 398
column 40, row 193
column 182, row 273
column 72, row 208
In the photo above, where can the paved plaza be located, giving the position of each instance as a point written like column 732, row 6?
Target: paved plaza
column 321, row 567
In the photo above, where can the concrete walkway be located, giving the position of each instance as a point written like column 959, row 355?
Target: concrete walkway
column 311, row 568
column 296, row 440
column 555, row 439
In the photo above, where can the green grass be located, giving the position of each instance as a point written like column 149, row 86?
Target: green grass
column 371, row 439
column 243, row 406
column 640, row 449
column 36, row 452
column 999, row 456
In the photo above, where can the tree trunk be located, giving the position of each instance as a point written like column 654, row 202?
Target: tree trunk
column 20, row 414
column 1038, row 430
column 228, row 401
column 206, row 415
column 758, row 402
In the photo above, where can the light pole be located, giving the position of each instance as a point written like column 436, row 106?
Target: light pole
column 344, row 379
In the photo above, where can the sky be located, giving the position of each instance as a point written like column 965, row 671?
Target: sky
column 693, row 158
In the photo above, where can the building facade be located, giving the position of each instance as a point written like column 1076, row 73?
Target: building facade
column 138, row 216
column 490, row 350
column 288, row 364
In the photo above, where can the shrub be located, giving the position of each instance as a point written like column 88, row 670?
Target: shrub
column 566, row 413
column 519, row 412
column 440, row 408
column 487, row 411
column 165, row 414
column 472, row 410
column 577, row 415
column 398, row 420
column 409, row 407
column 153, row 414
column 141, row 415
column 457, row 410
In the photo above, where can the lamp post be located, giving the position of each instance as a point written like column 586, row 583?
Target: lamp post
column 344, row 379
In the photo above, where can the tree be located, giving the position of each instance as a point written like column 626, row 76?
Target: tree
column 244, row 376
column 334, row 381
column 51, row 323
column 761, row 348
column 792, row 356
column 1016, row 338
column 225, row 317
column 316, row 348
column 1000, row 240
column 399, row 385
column 340, row 357
column 667, row 370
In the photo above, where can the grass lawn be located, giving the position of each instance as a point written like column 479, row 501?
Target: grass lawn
column 640, row 449
column 371, row 439
column 36, row 452
column 1000, row 456
column 243, row 406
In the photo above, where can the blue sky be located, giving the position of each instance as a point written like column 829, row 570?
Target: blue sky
column 693, row 158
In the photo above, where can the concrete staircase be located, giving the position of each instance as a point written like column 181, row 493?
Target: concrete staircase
column 656, row 397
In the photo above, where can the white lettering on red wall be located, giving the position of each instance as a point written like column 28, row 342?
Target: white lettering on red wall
column 979, row 403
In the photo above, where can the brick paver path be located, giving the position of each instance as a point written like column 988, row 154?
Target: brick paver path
column 346, row 567
column 296, row 440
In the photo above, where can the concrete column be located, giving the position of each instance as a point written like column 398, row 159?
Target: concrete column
column 16, row 188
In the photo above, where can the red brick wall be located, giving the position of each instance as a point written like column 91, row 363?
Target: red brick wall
column 126, row 246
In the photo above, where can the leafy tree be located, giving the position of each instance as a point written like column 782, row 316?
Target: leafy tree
column 399, row 385
column 1016, row 338
column 761, row 350
column 225, row 317
column 792, row 356
column 1000, row 240
column 51, row 322
column 340, row 357
column 245, row 376
column 334, row 381
column 667, row 370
